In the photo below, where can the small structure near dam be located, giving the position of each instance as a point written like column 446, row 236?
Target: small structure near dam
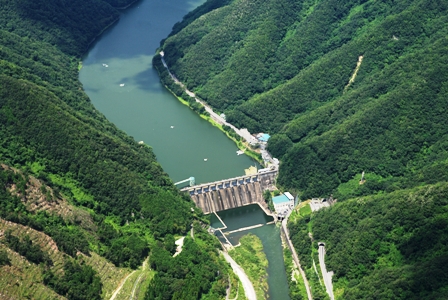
column 233, row 192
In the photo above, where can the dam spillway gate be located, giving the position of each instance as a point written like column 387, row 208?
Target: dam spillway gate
column 231, row 193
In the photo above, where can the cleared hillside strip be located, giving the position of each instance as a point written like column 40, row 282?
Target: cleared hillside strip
column 355, row 72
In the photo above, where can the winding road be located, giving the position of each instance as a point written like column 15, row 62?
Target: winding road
column 326, row 275
column 249, row 290
column 243, row 133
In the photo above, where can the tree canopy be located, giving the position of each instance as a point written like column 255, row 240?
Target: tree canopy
column 49, row 131
column 284, row 67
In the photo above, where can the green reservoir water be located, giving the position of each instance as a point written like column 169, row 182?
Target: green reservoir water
column 143, row 108
column 117, row 75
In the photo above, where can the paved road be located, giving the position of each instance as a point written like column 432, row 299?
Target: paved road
column 296, row 258
column 326, row 275
column 247, row 285
column 217, row 118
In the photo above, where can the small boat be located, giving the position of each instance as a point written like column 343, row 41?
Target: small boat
column 106, row 65
column 205, row 159
column 121, row 84
column 239, row 152
column 172, row 126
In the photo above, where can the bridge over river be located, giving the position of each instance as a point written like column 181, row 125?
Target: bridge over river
column 233, row 192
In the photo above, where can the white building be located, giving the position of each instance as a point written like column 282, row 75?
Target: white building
column 283, row 202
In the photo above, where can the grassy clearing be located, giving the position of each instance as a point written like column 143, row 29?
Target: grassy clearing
column 137, row 284
column 353, row 188
column 251, row 258
column 144, row 284
column 140, row 281
column 302, row 209
column 305, row 210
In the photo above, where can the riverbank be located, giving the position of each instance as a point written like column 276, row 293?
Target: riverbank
column 99, row 34
column 210, row 116
column 252, row 259
column 127, row 6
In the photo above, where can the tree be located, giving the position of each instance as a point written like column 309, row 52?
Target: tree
column 4, row 259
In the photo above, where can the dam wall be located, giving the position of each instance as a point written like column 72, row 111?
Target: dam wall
column 233, row 192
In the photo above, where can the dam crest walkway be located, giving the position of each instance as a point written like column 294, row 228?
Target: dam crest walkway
column 233, row 192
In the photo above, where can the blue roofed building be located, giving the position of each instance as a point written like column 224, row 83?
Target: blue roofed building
column 283, row 202
column 263, row 137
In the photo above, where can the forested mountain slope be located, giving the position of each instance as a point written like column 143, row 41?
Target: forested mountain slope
column 388, row 246
column 284, row 67
column 343, row 87
column 102, row 195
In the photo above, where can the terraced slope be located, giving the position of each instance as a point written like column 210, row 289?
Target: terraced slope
column 71, row 175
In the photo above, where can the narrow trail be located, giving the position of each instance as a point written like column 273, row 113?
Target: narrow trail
column 136, row 285
column 229, row 288
column 228, row 291
column 145, row 265
column 118, row 289
column 120, row 286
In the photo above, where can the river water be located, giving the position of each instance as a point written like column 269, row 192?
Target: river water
column 118, row 77
column 269, row 235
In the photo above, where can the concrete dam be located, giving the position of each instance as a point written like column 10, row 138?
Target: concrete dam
column 233, row 192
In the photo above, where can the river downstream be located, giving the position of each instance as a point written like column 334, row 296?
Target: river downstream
column 118, row 77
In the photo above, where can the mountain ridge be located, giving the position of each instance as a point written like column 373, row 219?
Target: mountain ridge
column 75, row 178
column 287, row 71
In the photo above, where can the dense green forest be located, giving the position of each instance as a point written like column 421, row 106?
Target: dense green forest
column 284, row 67
column 342, row 87
column 126, row 208
column 388, row 246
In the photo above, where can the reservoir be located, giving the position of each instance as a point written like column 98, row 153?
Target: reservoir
column 118, row 77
